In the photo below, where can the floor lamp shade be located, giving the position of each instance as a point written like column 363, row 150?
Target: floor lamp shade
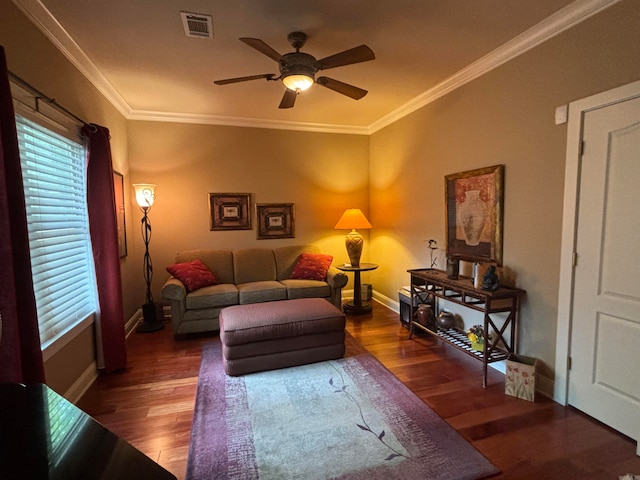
column 353, row 219
column 145, row 194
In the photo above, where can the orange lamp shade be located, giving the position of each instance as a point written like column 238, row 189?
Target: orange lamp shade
column 352, row 219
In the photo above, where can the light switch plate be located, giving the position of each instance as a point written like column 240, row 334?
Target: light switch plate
column 562, row 112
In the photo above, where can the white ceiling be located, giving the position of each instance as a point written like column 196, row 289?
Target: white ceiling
column 137, row 54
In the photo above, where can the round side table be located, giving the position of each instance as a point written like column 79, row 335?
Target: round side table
column 357, row 306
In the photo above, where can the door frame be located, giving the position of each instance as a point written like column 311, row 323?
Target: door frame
column 577, row 111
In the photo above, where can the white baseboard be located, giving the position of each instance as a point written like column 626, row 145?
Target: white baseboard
column 544, row 386
column 132, row 323
column 386, row 301
column 82, row 384
column 86, row 379
column 377, row 296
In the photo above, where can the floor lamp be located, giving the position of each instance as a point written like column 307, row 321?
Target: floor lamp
column 151, row 313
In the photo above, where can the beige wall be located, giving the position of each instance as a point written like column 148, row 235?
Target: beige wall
column 31, row 56
column 322, row 174
column 505, row 117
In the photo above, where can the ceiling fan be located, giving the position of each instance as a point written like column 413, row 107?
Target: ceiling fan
column 297, row 69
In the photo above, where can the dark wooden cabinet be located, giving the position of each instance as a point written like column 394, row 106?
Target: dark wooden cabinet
column 499, row 311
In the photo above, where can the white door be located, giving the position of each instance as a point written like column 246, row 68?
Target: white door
column 604, row 378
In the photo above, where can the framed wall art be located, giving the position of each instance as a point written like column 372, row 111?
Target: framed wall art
column 230, row 211
column 275, row 220
column 474, row 203
column 118, row 190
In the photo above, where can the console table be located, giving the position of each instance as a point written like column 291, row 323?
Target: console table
column 357, row 307
column 428, row 284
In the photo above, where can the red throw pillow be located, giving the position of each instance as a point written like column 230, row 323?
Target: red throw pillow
column 312, row 266
column 193, row 274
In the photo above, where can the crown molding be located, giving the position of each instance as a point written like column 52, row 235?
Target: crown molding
column 49, row 25
column 153, row 116
column 553, row 25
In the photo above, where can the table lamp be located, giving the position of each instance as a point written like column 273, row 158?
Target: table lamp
column 352, row 219
column 145, row 196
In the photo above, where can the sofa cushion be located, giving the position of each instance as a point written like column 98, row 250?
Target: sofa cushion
column 306, row 288
column 312, row 266
column 194, row 274
column 257, row 292
column 221, row 295
column 254, row 265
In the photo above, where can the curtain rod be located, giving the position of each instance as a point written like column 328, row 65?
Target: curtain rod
column 51, row 101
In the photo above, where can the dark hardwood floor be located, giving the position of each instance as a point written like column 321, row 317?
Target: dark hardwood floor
column 151, row 404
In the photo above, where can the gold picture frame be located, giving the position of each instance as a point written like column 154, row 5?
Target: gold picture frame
column 474, row 214
column 275, row 220
column 230, row 211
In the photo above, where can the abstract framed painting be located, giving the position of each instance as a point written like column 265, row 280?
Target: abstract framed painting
column 474, row 208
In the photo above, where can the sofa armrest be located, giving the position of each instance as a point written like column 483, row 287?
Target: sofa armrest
column 174, row 289
column 336, row 279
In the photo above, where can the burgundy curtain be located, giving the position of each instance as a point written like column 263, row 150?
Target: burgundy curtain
column 104, row 238
column 20, row 353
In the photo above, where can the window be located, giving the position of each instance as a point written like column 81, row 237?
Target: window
column 53, row 171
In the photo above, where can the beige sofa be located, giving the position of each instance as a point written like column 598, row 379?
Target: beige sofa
column 246, row 276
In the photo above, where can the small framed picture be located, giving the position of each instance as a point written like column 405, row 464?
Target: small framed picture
column 230, row 211
column 275, row 220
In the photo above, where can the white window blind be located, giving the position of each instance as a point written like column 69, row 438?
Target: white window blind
column 53, row 171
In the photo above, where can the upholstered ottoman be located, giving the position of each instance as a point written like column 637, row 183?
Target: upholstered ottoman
column 265, row 336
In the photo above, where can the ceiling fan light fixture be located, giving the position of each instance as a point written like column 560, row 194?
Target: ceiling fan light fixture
column 298, row 69
column 298, row 82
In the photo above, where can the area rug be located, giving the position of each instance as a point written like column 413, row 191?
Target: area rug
column 348, row 419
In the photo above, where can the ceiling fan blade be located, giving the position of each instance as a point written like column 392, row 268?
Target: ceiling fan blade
column 268, row 76
column 348, row 57
column 262, row 48
column 288, row 99
column 341, row 87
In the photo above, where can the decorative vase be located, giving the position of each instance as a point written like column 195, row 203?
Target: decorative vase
column 478, row 346
column 472, row 214
column 445, row 320
column 425, row 316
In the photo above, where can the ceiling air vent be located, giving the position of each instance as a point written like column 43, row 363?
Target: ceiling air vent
column 197, row 25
